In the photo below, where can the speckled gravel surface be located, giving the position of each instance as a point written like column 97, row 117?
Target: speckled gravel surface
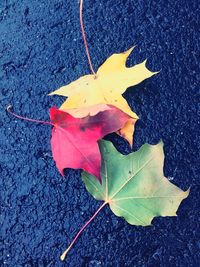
column 41, row 48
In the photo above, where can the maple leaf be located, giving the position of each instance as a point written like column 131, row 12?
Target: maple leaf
column 134, row 186
column 74, row 140
column 112, row 80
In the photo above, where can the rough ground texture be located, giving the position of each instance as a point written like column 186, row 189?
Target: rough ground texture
column 41, row 49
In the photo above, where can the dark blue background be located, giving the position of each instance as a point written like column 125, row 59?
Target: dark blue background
column 41, row 48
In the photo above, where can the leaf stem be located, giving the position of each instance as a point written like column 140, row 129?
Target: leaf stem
column 85, row 41
column 8, row 109
column 62, row 257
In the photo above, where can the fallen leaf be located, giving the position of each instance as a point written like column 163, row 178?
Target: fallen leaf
column 113, row 78
column 134, row 186
column 74, row 140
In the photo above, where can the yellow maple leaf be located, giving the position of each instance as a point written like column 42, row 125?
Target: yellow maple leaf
column 112, row 80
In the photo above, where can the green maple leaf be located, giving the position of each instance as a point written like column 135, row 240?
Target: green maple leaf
column 134, row 186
